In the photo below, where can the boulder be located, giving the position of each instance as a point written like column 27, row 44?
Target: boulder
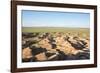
column 37, row 50
column 82, row 55
column 26, row 53
column 41, row 57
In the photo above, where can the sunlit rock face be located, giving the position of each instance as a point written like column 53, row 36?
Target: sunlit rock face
column 54, row 46
column 26, row 54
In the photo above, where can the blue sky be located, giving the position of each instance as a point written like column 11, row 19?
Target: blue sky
column 32, row 18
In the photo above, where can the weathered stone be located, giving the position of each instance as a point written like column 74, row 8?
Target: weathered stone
column 41, row 57
column 37, row 50
column 26, row 53
column 54, row 46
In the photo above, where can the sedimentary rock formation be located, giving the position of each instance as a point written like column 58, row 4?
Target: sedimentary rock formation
column 53, row 47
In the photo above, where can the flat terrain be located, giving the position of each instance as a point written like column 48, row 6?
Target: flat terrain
column 54, row 29
column 82, row 32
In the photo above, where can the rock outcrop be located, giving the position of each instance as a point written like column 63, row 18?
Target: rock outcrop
column 53, row 47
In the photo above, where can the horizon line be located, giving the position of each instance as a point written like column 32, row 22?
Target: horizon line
column 52, row 27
